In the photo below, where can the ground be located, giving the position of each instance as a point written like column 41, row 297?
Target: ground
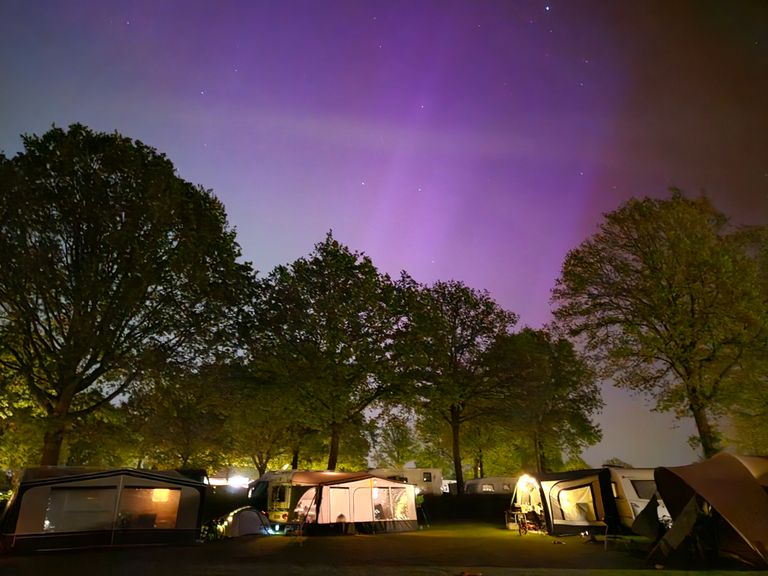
column 443, row 550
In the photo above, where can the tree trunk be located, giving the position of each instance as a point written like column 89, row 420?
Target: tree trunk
column 455, row 427
column 259, row 463
column 52, row 441
column 295, row 458
column 333, row 453
column 481, row 464
column 537, row 452
column 707, row 434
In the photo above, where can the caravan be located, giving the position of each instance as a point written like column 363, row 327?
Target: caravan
column 491, row 485
column 426, row 480
column 633, row 489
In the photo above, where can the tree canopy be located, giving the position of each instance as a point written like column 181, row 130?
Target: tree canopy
column 553, row 396
column 110, row 266
column 667, row 299
column 323, row 328
column 452, row 327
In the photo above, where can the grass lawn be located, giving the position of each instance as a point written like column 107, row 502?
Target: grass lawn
column 441, row 550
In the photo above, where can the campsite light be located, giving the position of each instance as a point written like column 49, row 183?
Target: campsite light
column 238, row 481
column 527, row 482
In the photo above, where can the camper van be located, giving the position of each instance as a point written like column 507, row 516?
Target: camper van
column 426, row 480
column 313, row 500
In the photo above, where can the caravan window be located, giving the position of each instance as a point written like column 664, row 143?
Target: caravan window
column 426, row 477
column 645, row 488
column 145, row 508
column 79, row 509
column 487, row 488
column 279, row 495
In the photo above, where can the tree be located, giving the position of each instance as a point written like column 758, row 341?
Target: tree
column 554, row 395
column 323, row 330
column 452, row 326
column 667, row 300
column 395, row 442
column 110, row 266
column 179, row 422
column 256, row 422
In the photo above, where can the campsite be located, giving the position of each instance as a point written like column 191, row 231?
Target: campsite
column 112, row 521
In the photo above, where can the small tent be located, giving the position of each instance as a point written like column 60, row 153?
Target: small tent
column 723, row 502
column 65, row 507
column 244, row 521
column 571, row 502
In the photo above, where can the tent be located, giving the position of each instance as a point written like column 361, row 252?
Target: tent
column 65, row 507
column 721, row 503
column 277, row 493
column 337, row 501
column 244, row 521
column 573, row 502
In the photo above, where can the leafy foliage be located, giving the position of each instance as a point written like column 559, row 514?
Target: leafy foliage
column 110, row 265
column 323, row 330
column 554, row 396
column 395, row 439
column 667, row 300
column 452, row 326
column 180, row 422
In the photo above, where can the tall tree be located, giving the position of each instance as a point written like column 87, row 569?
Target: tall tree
column 667, row 299
column 324, row 328
column 554, row 395
column 452, row 327
column 110, row 265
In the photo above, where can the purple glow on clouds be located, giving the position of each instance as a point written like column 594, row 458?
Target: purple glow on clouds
column 478, row 141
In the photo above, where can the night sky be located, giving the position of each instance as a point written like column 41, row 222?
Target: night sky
column 475, row 140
